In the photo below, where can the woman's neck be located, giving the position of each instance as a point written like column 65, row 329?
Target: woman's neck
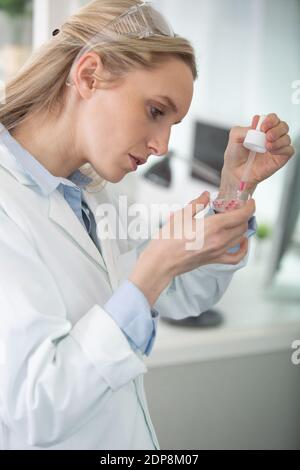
column 51, row 143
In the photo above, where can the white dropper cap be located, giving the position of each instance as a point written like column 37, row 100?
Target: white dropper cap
column 256, row 139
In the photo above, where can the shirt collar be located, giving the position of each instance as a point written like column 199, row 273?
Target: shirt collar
column 36, row 171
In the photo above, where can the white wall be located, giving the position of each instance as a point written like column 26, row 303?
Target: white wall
column 49, row 15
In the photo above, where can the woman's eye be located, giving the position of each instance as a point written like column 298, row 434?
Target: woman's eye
column 155, row 112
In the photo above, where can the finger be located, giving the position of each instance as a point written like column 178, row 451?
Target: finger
column 235, row 235
column 235, row 242
column 284, row 151
column 284, row 141
column 235, row 258
column 238, row 216
column 272, row 120
column 278, row 131
column 238, row 134
column 198, row 204
column 255, row 121
column 231, row 235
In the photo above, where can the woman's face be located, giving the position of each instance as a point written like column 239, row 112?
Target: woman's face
column 132, row 116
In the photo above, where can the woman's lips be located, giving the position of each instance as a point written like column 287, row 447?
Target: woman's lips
column 138, row 161
column 134, row 162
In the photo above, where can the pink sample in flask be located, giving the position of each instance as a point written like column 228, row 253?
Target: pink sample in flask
column 227, row 201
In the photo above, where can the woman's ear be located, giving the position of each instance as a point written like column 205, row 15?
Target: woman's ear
column 83, row 77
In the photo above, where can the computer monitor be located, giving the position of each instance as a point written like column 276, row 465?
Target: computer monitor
column 210, row 143
column 289, row 212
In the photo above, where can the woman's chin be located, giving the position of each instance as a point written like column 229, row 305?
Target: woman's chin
column 117, row 177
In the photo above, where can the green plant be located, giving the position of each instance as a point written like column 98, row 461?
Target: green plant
column 15, row 7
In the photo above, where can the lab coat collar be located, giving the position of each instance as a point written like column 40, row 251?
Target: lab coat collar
column 9, row 162
column 59, row 210
column 61, row 214
column 109, row 246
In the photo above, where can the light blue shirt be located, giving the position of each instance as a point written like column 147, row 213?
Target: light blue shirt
column 128, row 306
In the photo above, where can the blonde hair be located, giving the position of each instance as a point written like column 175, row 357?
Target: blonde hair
column 40, row 85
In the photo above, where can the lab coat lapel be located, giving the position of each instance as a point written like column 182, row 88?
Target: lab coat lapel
column 109, row 246
column 61, row 214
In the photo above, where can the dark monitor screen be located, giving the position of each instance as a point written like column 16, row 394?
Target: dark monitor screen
column 209, row 146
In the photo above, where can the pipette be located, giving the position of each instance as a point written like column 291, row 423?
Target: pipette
column 255, row 141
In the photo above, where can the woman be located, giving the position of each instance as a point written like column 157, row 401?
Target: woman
column 79, row 311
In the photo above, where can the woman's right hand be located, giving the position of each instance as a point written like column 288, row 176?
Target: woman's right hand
column 164, row 258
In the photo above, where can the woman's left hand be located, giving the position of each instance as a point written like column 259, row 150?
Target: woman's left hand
column 265, row 165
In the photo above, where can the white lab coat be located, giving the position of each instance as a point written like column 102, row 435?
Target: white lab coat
column 68, row 376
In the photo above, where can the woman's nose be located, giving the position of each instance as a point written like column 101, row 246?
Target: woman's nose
column 160, row 144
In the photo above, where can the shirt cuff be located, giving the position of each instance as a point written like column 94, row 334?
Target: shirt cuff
column 131, row 310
